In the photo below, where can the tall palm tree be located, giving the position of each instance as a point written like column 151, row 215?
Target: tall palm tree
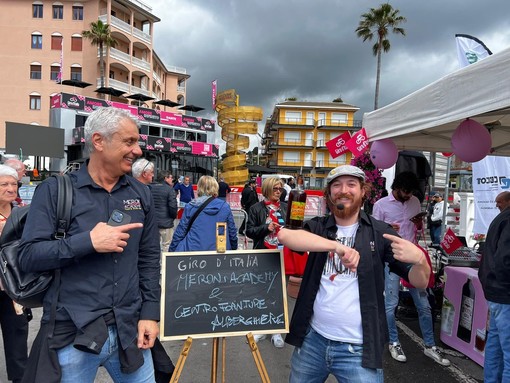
column 378, row 23
column 99, row 34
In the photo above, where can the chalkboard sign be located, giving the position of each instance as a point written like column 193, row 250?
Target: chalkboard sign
column 210, row 294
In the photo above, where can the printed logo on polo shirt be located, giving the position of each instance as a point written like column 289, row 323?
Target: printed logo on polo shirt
column 132, row 204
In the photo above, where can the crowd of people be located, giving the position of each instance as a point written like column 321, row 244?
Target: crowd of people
column 105, row 309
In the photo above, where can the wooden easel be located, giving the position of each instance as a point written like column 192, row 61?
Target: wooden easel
column 221, row 241
column 214, row 359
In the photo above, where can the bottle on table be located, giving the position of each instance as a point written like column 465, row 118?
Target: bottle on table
column 296, row 206
column 467, row 308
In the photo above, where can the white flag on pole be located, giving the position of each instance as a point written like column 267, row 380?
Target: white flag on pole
column 470, row 50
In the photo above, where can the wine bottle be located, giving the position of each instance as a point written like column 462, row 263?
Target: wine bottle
column 467, row 307
column 296, row 207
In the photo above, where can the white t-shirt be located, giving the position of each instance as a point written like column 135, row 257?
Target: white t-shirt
column 336, row 310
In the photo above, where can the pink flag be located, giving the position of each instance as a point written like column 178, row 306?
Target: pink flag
column 59, row 75
column 358, row 144
column 337, row 146
column 450, row 242
column 214, row 86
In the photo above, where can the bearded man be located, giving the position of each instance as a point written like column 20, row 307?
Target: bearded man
column 339, row 325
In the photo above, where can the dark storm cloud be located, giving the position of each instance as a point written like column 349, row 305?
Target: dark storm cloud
column 269, row 50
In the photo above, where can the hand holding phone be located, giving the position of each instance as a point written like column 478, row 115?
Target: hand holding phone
column 418, row 217
column 118, row 218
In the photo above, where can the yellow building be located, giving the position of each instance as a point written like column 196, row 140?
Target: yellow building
column 295, row 136
column 36, row 32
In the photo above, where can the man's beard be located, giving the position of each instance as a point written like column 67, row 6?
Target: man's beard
column 347, row 211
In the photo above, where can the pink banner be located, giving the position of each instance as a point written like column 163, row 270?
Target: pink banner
column 201, row 148
column 170, row 118
column 358, row 144
column 337, row 146
column 214, row 86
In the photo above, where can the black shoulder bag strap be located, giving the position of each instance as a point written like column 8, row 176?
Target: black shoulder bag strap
column 202, row 207
column 64, row 203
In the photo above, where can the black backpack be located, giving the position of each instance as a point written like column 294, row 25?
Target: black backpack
column 29, row 289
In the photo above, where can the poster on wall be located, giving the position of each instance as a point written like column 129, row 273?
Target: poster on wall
column 491, row 176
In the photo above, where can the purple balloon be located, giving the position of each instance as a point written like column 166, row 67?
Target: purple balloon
column 471, row 141
column 384, row 153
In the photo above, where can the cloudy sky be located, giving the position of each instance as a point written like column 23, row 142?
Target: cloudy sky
column 269, row 50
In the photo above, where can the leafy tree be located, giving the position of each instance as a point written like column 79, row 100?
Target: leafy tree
column 378, row 23
column 99, row 34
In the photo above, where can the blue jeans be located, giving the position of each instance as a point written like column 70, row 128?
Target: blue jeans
column 421, row 301
column 435, row 232
column 79, row 366
column 497, row 349
column 318, row 357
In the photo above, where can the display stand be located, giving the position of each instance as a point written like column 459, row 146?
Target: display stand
column 220, row 248
column 214, row 359
column 471, row 342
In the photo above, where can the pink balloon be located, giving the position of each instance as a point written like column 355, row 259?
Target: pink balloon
column 384, row 153
column 471, row 141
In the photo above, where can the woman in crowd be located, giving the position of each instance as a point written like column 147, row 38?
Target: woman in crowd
column 264, row 220
column 13, row 320
column 197, row 229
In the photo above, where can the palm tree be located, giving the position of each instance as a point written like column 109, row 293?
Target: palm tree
column 99, row 34
column 378, row 22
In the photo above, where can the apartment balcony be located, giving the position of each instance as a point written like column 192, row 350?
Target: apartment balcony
column 297, row 143
column 123, row 86
column 156, row 77
column 142, row 64
column 141, row 35
column 127, row 59
column 118, row 55
column 296, row 163
column 126, row 28
column 338, row 124
column 293, row 123
column 320, row 144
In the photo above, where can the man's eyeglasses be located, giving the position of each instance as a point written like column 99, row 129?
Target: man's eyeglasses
column 145, row 168
column 278, row 189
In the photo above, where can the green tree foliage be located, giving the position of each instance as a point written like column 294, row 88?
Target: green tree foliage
column 377, row 24
column 99, row 34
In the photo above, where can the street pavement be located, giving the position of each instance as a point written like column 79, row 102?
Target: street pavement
column 240, row 365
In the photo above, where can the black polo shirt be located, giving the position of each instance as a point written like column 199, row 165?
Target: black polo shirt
column 93, row 284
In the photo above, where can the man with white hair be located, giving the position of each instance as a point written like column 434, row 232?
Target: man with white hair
column 108, row 300
column 143, row 171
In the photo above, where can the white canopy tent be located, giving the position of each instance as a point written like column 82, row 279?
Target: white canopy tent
column 426, row 119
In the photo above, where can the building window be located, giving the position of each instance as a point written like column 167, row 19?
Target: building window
column 56, row 43
column 76, row 43
column 35, row 102
column 292, row 117
column 37, row 11
column 54, row 71
column 338, row 118
column 58, row 12
column 35, row 72
column 292, row 138
column 36, row 41
column 291, row 157
column 77, row 12
column 76, row 74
